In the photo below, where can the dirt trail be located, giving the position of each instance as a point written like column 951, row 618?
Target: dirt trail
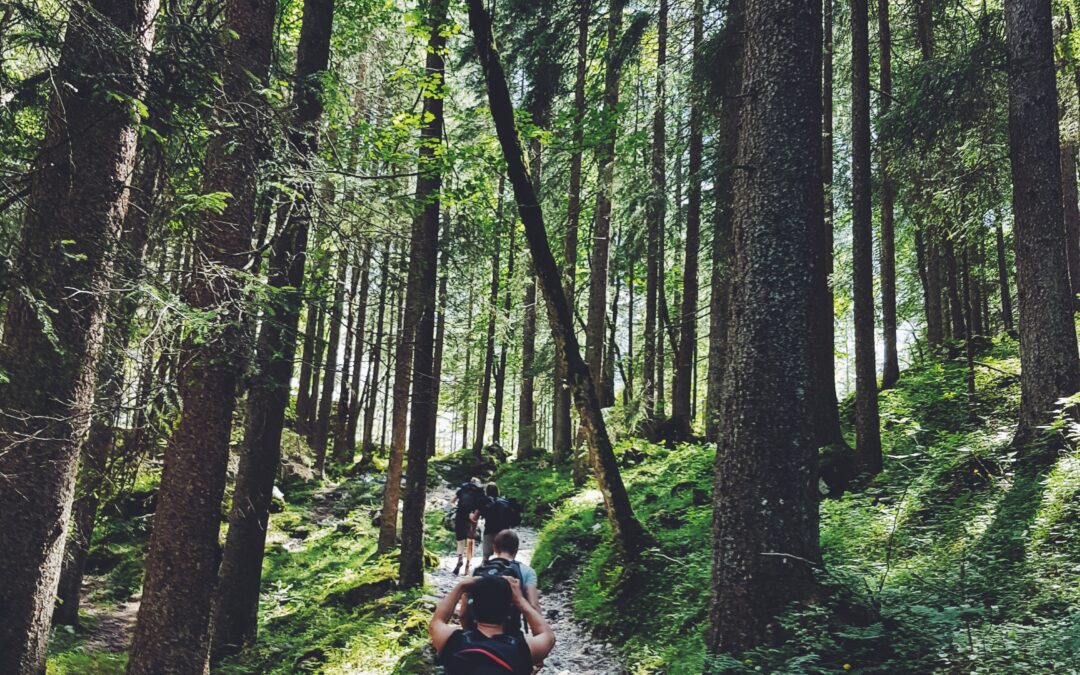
column 576, row 651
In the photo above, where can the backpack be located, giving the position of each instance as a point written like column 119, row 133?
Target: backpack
column 449, row 516
column 498, row 567
column 501, row 514
column 469, row 497
column 470, row 652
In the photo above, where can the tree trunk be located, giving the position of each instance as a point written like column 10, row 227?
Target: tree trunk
column 1003, row 276
column 326, row 402
column 353, row 416
column 367, row 446
column 77, row 200
column 627, row 532
column 309, row 421
column 656, row 209
column 891, row 372
column 723, row 242
column 98, row 451
column 500, row 373
column 1048, row 356
column 683, row 384
column 440, row 340
column 426, row 258
column 489, row 345
column 952, row 276
column 340, row 426
column 601, row 239
column 172, row 634
column 765, row 526
column 827, row 412
column 1072, row 218
column 867, row 425
column 307, row 359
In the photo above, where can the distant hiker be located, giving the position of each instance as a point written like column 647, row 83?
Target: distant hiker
column 488, row 649
column 505, row 564
column 468, row 499
column 499, row 513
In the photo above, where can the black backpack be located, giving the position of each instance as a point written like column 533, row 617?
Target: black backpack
column 499, row 567
column 469, row 497
column 470, row 652
column 501, row 514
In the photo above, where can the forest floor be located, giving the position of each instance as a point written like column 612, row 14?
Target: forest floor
column 576, row 651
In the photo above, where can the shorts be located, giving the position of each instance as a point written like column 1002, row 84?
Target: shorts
column 464, row 528
column 488, row 547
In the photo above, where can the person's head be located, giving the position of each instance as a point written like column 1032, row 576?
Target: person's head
column 506, row 544
column 492, row 490
column 476, row 481
column 490, row 599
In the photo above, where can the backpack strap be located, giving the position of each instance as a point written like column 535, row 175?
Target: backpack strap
column 491, row 655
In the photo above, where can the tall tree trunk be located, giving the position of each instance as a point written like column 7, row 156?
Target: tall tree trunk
column 601, row 239
column 891, row 372
column 338, row 425
column 626, row 531
column 1003, row 276
column 352, row 416
column 827, row 412
column 867, row 425
column 172, row 633
column 500, row 373
column 78, row 197
column 1072, row 219
column 307, row 359
column 952, row 277
column 765, row 528
column 426, row 258
column 326, row 402
column 656, row 209
column 1049, row 366
column 489, row 344
column 320, row 349
column 99, row 449
column 683, row 384
column 723, row 242
column 367, row 445
column 562, row 433
column 440, row 340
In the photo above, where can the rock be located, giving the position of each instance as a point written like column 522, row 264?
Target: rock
column 300, row 533
column 277, row 501
column 344, row 528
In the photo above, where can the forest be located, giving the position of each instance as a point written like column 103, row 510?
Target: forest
column 759, row 315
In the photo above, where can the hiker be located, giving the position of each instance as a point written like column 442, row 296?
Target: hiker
column 505, row 564
column 468, row 499
column 488, row 649
column 499, row 513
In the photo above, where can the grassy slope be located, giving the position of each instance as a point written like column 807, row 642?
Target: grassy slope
column 957, row 559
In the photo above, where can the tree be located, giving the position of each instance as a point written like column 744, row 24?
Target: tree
column 655, row 213
column 326, row 400
column 237, row 603
column 172, row 633
column 867, row 427
column 891, row 372
column 627, row 532
column 1050, row 369
column 765, row 527
column 77, row 200
column 426, row 257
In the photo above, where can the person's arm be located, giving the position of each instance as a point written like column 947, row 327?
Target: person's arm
column 532, row 594
column 439, row 628
column 542, row 639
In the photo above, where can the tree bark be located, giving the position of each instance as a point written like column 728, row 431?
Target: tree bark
column 683, row 384
column 765, row 526
column 656, row 209
column 1050, row 369
column 367, row 446
column 77, row 201
column 489, row 345
column 326, row 402
column 426, row 258
column 822, row 321
column 562, row 443
column 352, row 417
column 627, row 532
column 723, row 242
column 1003, row 276
column 891, row 370
column 601, row 239
column 339, row 426
column 1072, row 219
column 440, row 339
column 172, row 634
column 500, row 373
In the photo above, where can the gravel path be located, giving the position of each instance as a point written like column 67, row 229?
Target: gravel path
column 576, row 651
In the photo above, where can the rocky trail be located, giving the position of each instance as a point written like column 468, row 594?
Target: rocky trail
column 576, row 651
